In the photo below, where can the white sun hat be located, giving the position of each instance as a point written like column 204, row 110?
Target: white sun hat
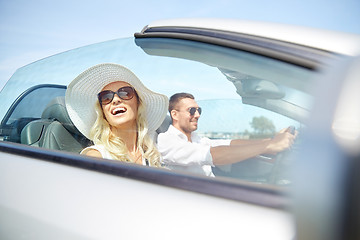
column 81, row 96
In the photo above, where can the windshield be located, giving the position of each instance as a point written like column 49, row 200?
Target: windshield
column 243, row 95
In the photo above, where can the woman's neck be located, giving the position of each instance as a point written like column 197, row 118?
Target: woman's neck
column 128, row 135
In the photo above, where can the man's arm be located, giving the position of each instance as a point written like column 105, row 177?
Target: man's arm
column 235, row 142
column 247, row 149
column 256, row 141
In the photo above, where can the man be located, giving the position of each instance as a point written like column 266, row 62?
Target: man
column 182, row 149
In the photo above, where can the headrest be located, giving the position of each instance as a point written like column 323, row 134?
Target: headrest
column 165, row 125
column 56, row 110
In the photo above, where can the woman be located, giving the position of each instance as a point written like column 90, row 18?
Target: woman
column 111, row 106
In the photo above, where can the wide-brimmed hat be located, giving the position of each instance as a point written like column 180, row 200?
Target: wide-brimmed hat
column 81, row 96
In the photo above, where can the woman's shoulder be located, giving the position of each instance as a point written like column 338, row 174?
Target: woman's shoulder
column 91, row 152
column 95, row 151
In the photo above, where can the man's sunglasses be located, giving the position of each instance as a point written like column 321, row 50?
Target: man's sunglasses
column 192, row 110
column 124, row 93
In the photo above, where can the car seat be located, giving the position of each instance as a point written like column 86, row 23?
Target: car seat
column 163, row 127
column 54, row 130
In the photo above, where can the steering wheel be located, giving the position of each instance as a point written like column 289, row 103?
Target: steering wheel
column 263, row 168
column 280, row 162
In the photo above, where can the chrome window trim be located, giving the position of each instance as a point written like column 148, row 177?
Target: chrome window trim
column 303, row 56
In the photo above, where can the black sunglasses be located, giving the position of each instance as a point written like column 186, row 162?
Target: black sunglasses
column 124, row 93
column 192, row 110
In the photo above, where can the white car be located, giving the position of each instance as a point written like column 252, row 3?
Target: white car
column 251, row 79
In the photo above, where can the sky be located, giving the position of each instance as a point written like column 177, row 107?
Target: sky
column 32, row 30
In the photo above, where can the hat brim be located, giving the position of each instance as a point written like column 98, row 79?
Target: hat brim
column 81, row 96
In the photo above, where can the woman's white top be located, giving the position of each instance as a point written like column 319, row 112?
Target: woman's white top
column 106, row 154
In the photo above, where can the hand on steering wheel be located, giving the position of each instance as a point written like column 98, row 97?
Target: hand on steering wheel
column 279, row 159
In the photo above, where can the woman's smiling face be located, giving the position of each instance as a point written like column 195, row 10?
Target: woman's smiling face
column 120, row 114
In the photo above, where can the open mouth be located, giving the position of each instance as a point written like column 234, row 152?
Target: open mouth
column 118, row 110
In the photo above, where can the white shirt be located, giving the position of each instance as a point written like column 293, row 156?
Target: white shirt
column 180, row 154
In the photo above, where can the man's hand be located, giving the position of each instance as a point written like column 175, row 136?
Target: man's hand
column 281, row 141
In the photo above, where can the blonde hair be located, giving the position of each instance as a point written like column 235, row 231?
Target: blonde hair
column 101, row 134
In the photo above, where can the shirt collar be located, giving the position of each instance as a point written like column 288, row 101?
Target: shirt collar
column 176, row 131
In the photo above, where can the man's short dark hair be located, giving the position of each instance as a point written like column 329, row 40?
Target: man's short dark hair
column 176, row 98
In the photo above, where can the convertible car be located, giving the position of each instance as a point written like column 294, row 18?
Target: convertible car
column 251, row 80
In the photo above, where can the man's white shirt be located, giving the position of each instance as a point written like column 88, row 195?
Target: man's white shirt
column 180, row 154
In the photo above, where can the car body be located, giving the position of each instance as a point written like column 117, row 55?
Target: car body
column 239, row 72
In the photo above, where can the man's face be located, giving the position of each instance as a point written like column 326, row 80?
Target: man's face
column 182, row 119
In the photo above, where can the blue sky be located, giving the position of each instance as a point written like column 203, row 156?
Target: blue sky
column 31, row 30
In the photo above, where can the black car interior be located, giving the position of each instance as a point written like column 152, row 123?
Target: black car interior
column 34, row 120
column 54, row 130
